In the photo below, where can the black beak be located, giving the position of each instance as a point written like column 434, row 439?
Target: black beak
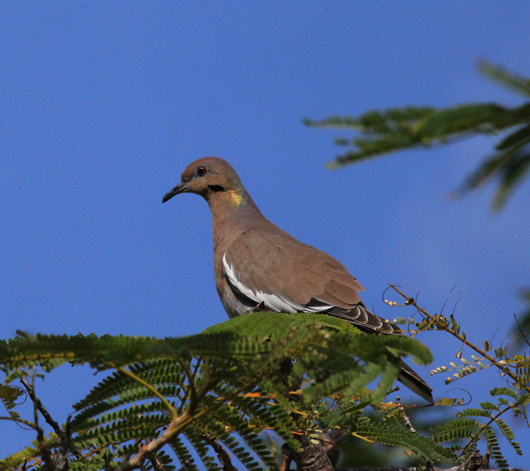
column 175, row 191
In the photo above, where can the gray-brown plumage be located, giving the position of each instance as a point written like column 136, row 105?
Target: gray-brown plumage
column 256, row 263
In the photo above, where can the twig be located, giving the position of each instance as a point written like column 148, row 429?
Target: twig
column 107, row 459
column 492, row 360
column 44, row 450
column 192, row 392
column 155, row 462
column 521, row 330
column 222, row 454
column 18, row 420
column 38, row 404
column 405, row 417
column 62, row 460
column 487, row 457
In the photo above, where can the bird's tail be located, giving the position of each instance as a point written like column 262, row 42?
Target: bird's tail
column 414, row 382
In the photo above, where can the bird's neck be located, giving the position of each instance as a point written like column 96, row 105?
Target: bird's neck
column 232, row 214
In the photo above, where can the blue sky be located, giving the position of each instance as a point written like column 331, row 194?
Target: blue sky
column 103, row 104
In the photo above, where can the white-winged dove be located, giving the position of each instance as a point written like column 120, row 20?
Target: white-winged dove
column 257, row 264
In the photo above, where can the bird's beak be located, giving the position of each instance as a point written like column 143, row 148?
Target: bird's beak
column 175, row 191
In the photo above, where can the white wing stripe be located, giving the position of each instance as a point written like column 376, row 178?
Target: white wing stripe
column 271, row 301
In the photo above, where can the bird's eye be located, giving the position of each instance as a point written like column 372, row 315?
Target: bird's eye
column 201, row 171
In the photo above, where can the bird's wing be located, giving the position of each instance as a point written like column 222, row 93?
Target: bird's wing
column 269, row 266
column 266, row 265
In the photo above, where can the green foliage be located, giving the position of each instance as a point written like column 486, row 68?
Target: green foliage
column 9, row 395
column 383, row 132
column 214, row 391
column 197, row 400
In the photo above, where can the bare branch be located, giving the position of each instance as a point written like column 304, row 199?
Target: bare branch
column 38, row 404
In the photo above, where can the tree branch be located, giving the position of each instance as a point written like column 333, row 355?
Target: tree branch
column 178, row 423
column 502, row 367
column 44, row 450
column 38, row 404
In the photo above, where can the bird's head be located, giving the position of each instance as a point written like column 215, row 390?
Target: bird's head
column 214, row 179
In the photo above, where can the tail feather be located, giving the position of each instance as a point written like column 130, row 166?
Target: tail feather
column 414, row 382
column 370, row 323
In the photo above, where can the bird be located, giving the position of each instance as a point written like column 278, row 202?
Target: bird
column 258, row 266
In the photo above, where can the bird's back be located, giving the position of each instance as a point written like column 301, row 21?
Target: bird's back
column 266, row 265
